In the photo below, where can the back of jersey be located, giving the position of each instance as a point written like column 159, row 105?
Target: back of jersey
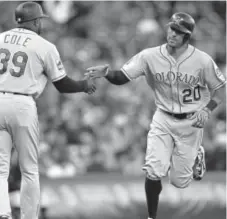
column 21, row 68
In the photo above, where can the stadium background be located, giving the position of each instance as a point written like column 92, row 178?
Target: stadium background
column 92, row 147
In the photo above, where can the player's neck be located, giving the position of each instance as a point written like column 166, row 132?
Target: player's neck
column 27, row 27
column 176, row 52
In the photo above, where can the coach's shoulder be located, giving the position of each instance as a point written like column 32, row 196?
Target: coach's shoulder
column 43, row 46
column 45, row 42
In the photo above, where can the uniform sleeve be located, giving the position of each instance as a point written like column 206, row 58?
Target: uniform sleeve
column 135, row 67
column 53, row 65
column 213, row 76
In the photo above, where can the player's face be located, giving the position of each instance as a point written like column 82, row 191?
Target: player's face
column 175, row 38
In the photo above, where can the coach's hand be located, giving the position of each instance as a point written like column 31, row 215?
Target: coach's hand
column 97, row 71
column 90, row 85
column 201, row 117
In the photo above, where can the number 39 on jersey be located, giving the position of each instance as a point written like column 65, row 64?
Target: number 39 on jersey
column 15, row 63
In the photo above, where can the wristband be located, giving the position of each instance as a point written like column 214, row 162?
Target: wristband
column 212, row 105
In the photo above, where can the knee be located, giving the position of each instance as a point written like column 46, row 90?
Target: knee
column 180, row 182
column 4, row 172
column 29, row 172
column 30, row 177
column 152, row 176
column 154, row 173
column 4, row 167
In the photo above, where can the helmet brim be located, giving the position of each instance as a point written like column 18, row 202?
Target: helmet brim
column 179, row 27
column 19, row 21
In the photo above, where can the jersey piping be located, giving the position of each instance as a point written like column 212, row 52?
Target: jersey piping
column 126, row 74
column 178, row 68
column 165, row 58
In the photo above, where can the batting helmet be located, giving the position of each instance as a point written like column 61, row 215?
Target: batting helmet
column 182, row 22
column 28, row 11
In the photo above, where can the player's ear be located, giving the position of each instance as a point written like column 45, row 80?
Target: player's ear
column 187, row 37
column 36, row 22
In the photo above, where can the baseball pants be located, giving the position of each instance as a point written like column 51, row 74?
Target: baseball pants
column 19, row 128
column 172, row 146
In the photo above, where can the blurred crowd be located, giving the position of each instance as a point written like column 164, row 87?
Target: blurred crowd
column 107, row 131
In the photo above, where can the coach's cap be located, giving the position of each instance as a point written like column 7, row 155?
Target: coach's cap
column 28, row 11
column 183, row 22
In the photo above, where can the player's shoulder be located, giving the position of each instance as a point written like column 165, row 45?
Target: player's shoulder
column 203, row 56
column 44, row 43
column 42, row 46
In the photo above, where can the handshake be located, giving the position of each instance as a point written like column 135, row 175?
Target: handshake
column 93, row 73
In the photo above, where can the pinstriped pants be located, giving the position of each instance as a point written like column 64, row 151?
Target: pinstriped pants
column 19, row 128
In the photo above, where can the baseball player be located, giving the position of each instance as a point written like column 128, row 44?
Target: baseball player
column 187, row 86
column 27, row 61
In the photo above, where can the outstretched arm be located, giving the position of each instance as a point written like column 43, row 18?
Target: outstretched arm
column 54, row 69
column 116, row 77
column 68, row 85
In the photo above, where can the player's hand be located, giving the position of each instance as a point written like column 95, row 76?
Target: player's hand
column 90, row 85
column 97, row 71
column 200, row 118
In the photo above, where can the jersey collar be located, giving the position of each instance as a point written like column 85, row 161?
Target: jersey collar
column 23, row 30
column 183, row 57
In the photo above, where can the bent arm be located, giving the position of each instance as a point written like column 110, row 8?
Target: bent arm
column 117, row 77
column 68, row 85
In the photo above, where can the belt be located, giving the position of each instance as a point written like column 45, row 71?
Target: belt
column 15, row 93
column 179, row 115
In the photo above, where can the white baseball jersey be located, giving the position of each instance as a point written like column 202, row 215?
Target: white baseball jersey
column 180, row 86
column 27, row 61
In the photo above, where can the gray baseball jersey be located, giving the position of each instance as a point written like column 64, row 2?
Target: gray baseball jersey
column 27, row 61
column 180, row 86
